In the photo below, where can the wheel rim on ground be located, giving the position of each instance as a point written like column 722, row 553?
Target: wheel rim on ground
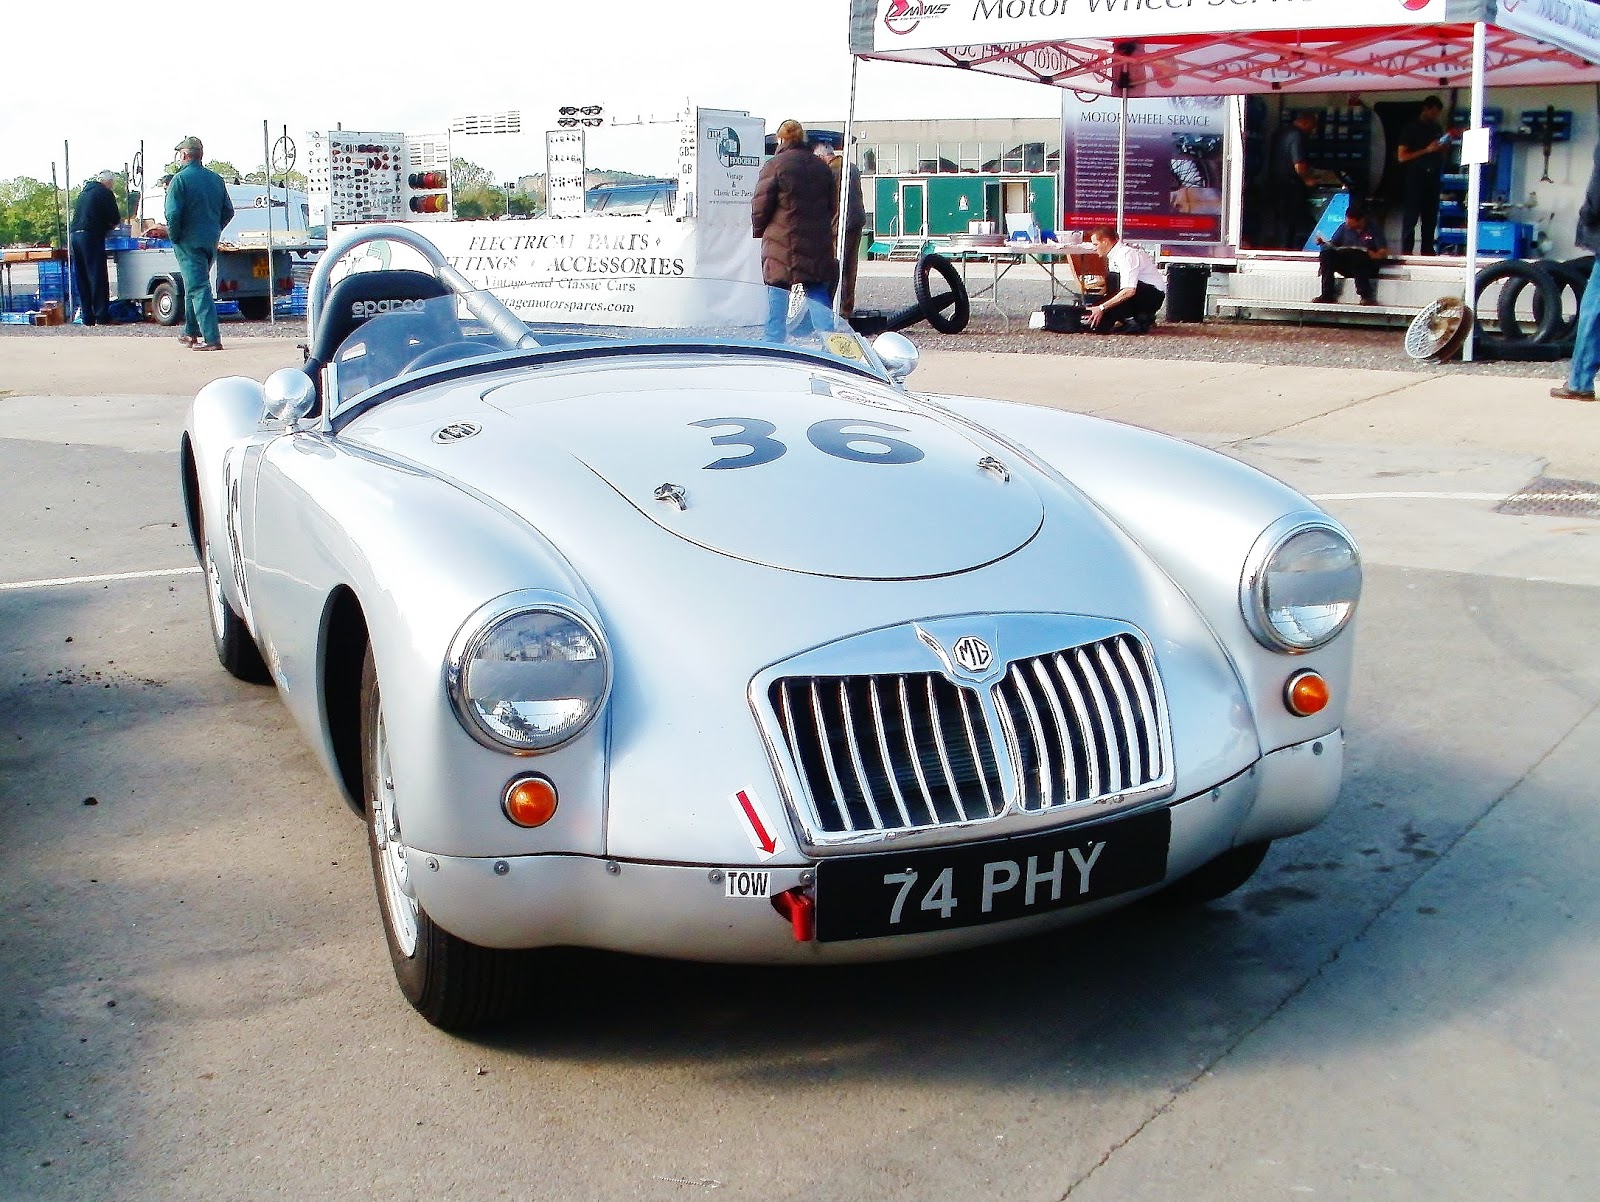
column 1439, row 330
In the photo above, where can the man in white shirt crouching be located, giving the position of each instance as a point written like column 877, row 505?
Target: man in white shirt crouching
column 1132, row 309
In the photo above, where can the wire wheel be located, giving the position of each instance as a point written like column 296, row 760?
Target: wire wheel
column 1439, row 330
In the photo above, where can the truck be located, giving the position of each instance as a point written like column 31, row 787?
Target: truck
column 247, row 272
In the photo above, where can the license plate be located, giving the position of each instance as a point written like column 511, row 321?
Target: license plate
column 260, row 269
column 865, row 897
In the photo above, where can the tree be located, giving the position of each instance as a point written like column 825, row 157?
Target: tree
column 464, row 175
column 28, row 213
column 293, row 179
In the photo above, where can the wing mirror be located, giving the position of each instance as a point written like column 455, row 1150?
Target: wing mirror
column 290, row 395
column 899, row 354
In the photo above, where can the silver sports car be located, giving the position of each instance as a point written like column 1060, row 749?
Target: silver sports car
column 699, row 634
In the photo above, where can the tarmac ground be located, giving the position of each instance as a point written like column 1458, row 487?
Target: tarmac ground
column 1398, row 1006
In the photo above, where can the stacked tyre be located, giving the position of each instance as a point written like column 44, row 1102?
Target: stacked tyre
column 1527, row 309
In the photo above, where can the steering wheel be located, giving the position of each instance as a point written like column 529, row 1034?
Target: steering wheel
column 394, row 340
column 450, row 352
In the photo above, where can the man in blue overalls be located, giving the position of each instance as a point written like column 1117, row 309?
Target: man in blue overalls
column 198, row 208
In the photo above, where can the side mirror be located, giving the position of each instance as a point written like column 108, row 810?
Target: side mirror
column 899, row 354
column 290, row 395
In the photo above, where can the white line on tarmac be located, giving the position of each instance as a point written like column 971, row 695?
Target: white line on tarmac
column 63, row 580
column 1497, row 497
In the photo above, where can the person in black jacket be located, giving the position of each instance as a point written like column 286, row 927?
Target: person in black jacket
column 792, row 213
column 1421, row 156
column 1586, row 337
column 855, row 220
column 94, row 216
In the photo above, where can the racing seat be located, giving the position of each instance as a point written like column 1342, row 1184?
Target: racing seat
column 346, row 310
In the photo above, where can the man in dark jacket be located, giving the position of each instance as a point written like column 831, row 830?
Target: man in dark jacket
column 1290, row 179
column 93, row 217
column 855, row 220
column 792, row 214
column 198, row 208
column 1586, row 336
column 1421, row 156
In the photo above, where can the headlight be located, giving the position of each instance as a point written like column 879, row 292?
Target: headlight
column 527, row 677
column 1300, row 585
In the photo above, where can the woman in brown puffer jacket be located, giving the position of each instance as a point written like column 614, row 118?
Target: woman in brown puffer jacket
column 792, row 214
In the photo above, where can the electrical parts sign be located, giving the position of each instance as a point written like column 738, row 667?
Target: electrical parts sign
column 918, row 24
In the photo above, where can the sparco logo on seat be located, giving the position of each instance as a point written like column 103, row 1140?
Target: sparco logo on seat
column 371, row 308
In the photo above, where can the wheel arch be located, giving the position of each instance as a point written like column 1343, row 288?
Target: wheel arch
column 190, row 475
column 344, row 647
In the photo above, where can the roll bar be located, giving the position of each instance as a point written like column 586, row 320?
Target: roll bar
column 510, row 329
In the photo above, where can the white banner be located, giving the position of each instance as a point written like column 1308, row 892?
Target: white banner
column 1571, row 24
column 727, row 161
column 919, row 24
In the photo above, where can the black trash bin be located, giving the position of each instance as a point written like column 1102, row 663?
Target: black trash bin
column 1186, row 291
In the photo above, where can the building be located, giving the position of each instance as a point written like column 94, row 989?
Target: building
column 930, row 178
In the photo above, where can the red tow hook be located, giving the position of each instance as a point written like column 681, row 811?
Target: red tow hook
column 800, row 908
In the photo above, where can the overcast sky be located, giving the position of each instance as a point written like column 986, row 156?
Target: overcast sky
column 103, row 77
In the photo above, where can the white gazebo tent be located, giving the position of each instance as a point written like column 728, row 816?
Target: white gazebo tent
column 1136, row 48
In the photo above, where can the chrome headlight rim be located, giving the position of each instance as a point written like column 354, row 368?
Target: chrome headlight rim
column 1252, row 601
column 477, row 628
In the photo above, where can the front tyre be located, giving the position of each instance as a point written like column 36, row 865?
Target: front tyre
column 236, row 646
column 453, row 984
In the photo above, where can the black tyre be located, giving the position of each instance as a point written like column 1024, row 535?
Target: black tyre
column 166, row 302
column 236, row 647
column 933, row 307
column 1522, row 352
column 1567, row 279
column 1515, row 276
column 453, row 984
column 1217, row 879
column 253, row 308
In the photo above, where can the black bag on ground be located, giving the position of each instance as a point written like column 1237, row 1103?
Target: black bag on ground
column 1063, row 319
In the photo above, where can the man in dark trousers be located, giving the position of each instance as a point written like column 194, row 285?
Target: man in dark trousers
column 93, row 217
column 1290, row 180
column 855, row 220
column 1586, row 334
column 1421, row 154
column 1357, row 249
column 198, row 208
column 792, row 213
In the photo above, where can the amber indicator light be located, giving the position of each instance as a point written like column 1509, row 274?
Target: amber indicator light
column 530, row 801
column 1306, row 693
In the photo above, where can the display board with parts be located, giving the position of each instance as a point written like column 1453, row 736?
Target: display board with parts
column 356, row 176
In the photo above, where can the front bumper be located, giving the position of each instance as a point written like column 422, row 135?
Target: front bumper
column 682, row 911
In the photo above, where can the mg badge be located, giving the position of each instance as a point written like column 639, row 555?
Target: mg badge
column 455, row 432
column 973, row 654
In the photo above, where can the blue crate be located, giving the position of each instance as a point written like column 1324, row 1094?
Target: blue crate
column 22, row 302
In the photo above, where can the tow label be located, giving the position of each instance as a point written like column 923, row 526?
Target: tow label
column 748, row 882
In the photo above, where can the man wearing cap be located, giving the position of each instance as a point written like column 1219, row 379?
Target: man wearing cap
column 93, row 217
column 197, row 210
column 792, row 213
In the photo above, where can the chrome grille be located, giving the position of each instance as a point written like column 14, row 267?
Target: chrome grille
column 890, row 752
column 1084, row 724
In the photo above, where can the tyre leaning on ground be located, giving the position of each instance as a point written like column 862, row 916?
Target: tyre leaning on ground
column 955, row 300
column 1511, row 341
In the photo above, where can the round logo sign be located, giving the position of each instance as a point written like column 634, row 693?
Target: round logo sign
column 972, row 653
